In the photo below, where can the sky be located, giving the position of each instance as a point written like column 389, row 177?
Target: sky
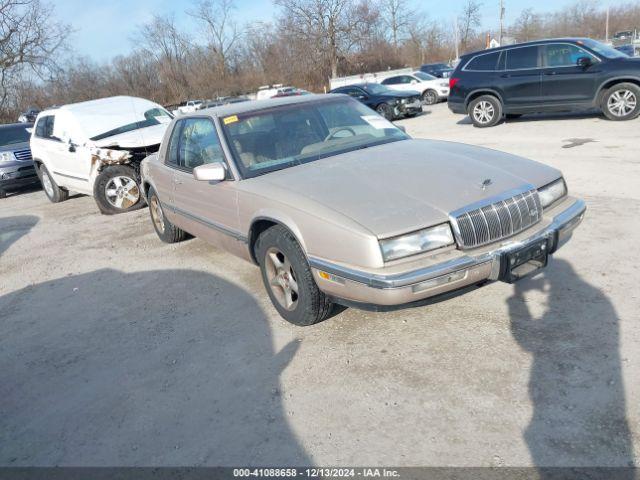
column 106, row 28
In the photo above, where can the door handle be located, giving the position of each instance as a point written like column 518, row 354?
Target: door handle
column 550, row 73
column 177, row 182
column 505, row 75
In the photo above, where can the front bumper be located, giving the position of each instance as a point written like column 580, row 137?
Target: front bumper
column 18, row 176
column 362, row 288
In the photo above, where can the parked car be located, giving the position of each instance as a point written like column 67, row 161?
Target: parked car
column 431, row 89
column 189, row 107
column 545, row 76
column 338, row 205
column 96, row 147
column 16, row 165
column 438, row 70
column 29, row 116
column 270, row 91
column 628, row 49
column 290, row 92
column 221, row 101
column 389, row 103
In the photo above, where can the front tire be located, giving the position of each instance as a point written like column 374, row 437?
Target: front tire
column 385, row 110
column 167, row 231
column 289, row 280
column 117, row 190
column 485, row 111
column 621, row 102
column 430, row 97
column 54, row 193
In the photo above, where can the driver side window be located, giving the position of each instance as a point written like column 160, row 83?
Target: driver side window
column 194, row 142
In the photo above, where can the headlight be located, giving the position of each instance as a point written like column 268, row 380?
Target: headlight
column 7, row 157
column 416, row 242
column 552, row 192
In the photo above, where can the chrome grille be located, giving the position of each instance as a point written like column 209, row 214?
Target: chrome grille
column 498, row 220
column 23, row 155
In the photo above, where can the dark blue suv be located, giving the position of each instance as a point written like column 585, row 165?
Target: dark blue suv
column 545, row 76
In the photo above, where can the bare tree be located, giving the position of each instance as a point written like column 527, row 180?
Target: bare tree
column 222, row 30
column 30, row 38
column 397, row 18
column 527, row 26
column 328, row 27
column 169, row 47
column 468, row 21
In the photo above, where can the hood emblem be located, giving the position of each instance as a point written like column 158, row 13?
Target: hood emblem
column 485, row 183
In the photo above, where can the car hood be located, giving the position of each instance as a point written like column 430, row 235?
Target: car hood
column 14, row 147
column 141, row 137
column 403, row 186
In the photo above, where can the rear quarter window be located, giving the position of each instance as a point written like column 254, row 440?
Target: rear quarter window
column 486, row 62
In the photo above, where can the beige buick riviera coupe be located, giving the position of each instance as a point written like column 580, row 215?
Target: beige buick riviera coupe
column 338, row 205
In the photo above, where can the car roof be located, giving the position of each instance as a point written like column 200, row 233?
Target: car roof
column 17, row 124
column 254, row 105
column 524, row 44
column 107, row 106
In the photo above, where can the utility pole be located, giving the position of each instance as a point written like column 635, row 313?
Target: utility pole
column 606, row 28
column 501, row 22
column 455, row 31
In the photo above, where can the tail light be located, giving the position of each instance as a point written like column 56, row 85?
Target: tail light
column 452, row 82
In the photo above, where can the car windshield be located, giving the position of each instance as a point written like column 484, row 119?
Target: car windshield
column 154, row 116
column 376, row 89
column 281, row 137
column 424, row 76
column 602, row 49
column 11, row 135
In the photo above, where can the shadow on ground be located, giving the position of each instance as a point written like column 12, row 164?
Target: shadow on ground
column 167, row 367
column 14, row 228
column 539, row 117
column 575, row 385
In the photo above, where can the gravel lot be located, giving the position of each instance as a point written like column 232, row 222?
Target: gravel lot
column 116, row 349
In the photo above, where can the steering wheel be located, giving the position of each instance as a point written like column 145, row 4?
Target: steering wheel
column 333, row 134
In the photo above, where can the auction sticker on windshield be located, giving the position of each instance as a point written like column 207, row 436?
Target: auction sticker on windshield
column 377, row 122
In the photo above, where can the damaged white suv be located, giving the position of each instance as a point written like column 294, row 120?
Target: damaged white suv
column 96, row 147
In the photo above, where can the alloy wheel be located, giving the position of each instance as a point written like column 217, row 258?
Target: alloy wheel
column 622, row 103
column 122, row 192
column 282, row 278
column 483, row 112
column 156, row 214
column 430, row 98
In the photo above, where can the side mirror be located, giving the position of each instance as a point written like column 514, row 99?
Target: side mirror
column 72, row 146
column 413, row 82
column 402, row 128
column 362, row 97
column 210, row 172
column 584, row 62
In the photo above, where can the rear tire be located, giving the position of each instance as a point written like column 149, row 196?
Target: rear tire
column 485, row 111
column 117, row 190
column 621, row 102
column 54, row 193
column 288, row 278
column 167, row 231
column 3, row 194
column 430, row 97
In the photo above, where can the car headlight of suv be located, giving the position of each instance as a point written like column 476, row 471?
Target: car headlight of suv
column 552, row 192
column 416, row 242
column 7, row 157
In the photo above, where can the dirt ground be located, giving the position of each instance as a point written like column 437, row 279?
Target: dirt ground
column 116, row 349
